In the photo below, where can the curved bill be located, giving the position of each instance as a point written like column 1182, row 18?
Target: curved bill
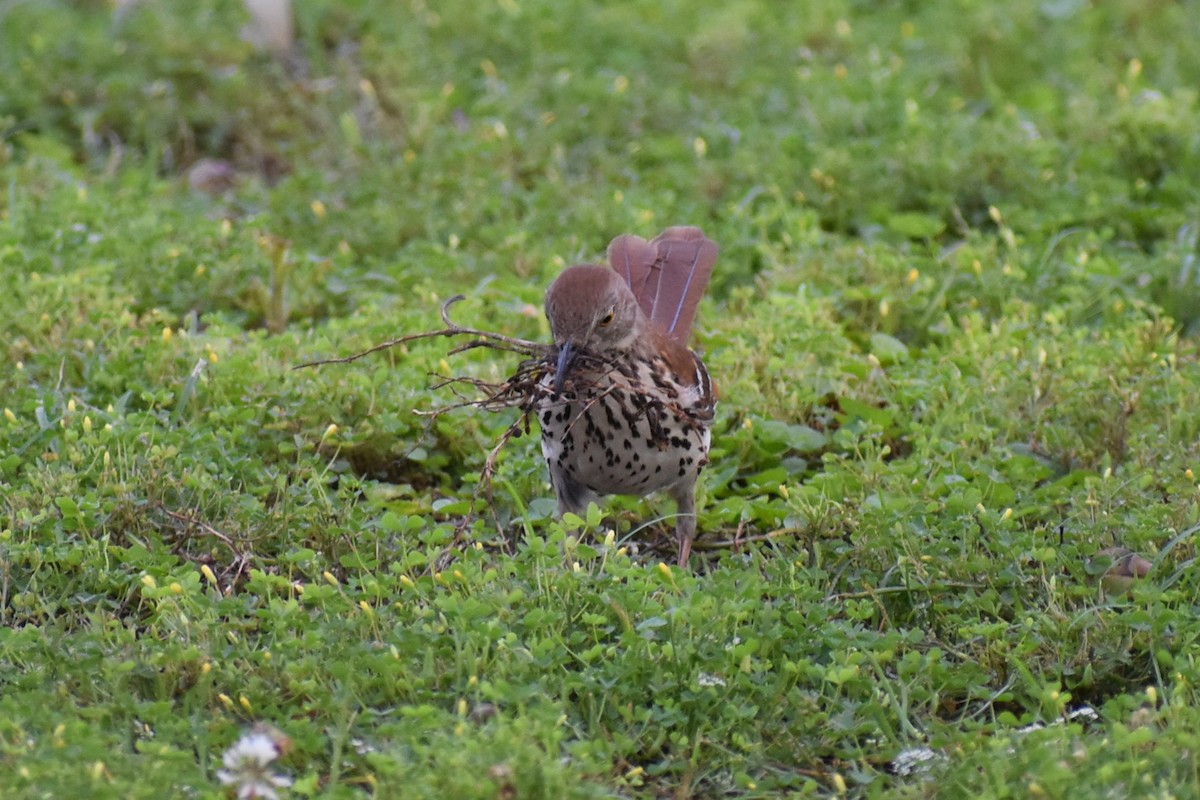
column 566, row 357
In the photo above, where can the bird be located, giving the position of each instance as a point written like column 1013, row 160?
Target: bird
column 1122, row 568
column 628, row 409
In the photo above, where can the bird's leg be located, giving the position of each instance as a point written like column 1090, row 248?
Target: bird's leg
column 685, row 523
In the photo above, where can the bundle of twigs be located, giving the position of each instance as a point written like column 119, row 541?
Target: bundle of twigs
column 520, row 390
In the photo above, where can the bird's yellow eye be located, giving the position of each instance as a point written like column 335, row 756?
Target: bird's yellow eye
column 606, row 319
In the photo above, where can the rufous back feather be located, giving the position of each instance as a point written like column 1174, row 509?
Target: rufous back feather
column 668, row 276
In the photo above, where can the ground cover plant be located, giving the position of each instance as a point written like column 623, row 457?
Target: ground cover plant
column 953, row 323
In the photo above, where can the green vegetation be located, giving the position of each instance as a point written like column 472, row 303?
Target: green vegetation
column 954, row 325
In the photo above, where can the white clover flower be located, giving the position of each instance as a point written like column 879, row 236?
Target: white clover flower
column 247, row 765
column 916, row 761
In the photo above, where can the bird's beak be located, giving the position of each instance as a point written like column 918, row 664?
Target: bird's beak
column 566, row 356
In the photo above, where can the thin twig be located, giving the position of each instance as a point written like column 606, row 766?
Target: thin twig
column 241, row 558
column 497, row 341
column 203, row 526
column 932, row 587
column 738, row 541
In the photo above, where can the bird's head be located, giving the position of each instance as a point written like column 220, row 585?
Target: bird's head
column 591, row 307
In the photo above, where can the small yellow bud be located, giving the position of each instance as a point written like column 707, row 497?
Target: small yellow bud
column 839, row 783
column 620, row 84
column 149, row 582
column 318, row 209
column 1007, row 515
column 330, row 431
column 226, row 701
column 328, row 576
column 245, row 703
column 175, row 587
column 407, row 582
column 9, row 415
column 208, row 574
column 366, row 607
column 166, row 334
column 206, row 668
column 87, row 424
column 700, row 147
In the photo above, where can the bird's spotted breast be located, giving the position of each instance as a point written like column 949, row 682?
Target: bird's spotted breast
column 635, row 430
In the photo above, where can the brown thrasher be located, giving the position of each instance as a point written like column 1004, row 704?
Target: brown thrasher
column 629, row 407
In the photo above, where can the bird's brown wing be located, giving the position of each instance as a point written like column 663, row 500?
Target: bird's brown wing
column 668, row 276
